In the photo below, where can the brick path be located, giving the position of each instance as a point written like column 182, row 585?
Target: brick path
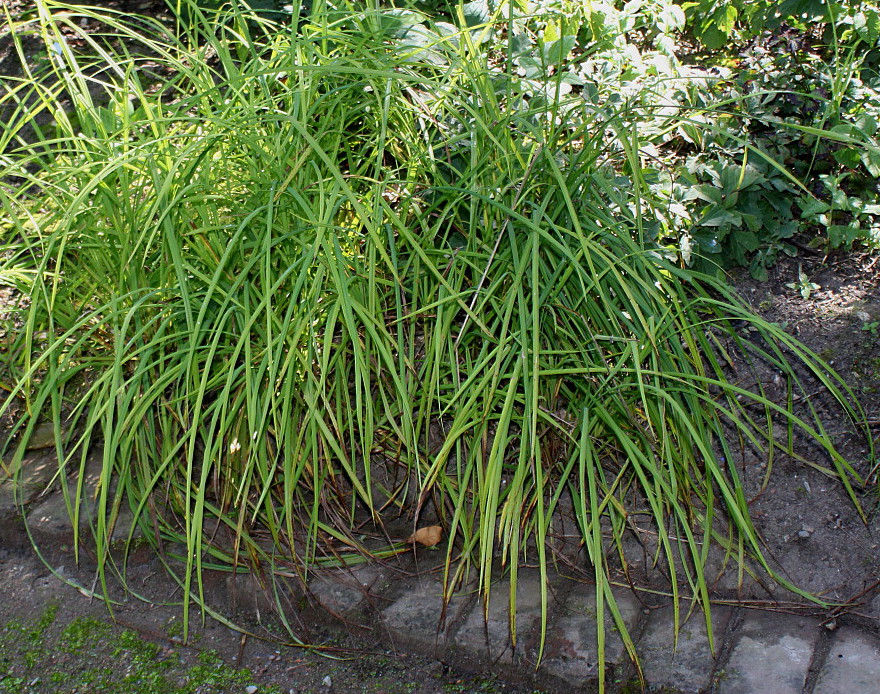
column 755, row 651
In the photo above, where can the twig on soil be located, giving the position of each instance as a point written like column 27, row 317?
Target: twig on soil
column 241, row 644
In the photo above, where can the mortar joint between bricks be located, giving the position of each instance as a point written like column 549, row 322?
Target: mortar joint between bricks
column 820, row 655
column 627, row 670
column 725, row 648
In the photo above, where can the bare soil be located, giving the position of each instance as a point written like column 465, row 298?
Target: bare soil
column 812, row 531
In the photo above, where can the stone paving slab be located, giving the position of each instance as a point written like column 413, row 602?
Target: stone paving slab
column 686, row 665
column 38, row 468
column 767, row 653
column 414, row 619
column 852, row 665
column 489, row 639
column 50, row 515
column 571, row 653
column 771, row 653
column 344, row 591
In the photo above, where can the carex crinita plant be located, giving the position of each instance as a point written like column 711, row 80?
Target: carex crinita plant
column 294, row 282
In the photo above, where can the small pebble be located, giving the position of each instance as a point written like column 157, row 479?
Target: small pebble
column 327, row 682
column 251, row 689
column 803, row 534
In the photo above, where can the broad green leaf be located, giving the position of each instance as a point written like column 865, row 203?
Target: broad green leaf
column 866, row 124
column 718, row 217
column 867, row 25
column 848, row 157
column 746, row 240
column 843, row 235
column 476, row 12
column 556, row 52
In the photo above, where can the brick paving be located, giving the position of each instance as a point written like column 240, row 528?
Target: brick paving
column 751, row 651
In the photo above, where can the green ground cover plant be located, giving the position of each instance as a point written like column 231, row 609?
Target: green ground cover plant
column 72, row 658
column 303, row 280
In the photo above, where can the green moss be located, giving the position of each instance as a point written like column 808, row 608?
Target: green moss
column 89, row 655
column 174, row 628
column 46, row 620
column 83, row 632
column 11, row 684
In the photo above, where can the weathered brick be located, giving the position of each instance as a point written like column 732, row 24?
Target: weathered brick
column 685, row 665
column 771, row 653
column 852, row 666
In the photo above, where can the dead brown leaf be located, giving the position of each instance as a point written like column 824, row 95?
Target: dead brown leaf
column 428, row 536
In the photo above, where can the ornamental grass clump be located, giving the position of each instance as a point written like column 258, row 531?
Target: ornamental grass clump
column 297, row 281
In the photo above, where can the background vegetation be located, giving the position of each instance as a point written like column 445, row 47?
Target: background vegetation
column 316, row 277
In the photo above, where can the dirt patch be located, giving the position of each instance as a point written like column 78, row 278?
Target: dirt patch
column 811, row 529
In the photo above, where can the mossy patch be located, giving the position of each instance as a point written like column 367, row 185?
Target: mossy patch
column 89, row 654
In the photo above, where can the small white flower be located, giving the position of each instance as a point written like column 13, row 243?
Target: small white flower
column 686, row 248
column 234, row 447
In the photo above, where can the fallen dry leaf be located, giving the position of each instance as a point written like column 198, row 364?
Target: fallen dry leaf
column 428, row 536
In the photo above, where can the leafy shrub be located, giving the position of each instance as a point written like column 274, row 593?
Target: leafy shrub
column 716, row 23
